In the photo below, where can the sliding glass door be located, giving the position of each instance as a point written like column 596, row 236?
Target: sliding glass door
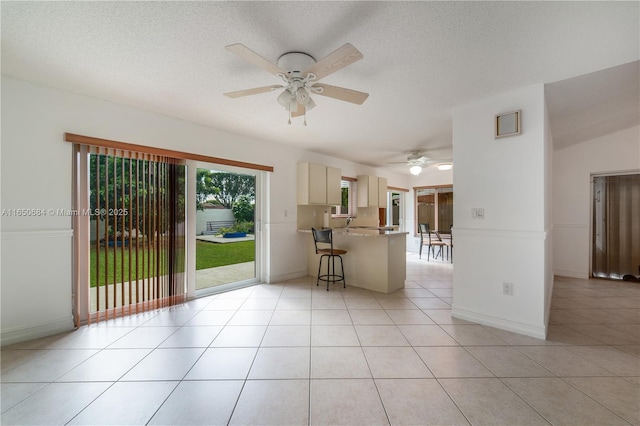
column 226, row 216
column 130, row 207
column 434, row 205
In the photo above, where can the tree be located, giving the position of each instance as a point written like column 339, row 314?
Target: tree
column 204, row 187
column 125, row 185
column 224, row 187
column 243, row 209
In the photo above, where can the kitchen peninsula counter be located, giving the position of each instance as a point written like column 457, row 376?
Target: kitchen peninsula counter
column 375, row 259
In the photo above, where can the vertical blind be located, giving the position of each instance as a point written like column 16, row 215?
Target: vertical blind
column 616, row 226
column 136, row 241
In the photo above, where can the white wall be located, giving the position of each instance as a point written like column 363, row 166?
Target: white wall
column 507, row 178
column 207, row 215
column 572, row 169
column 36, row 172
column 548, row 215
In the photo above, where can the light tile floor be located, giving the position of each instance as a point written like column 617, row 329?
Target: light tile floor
column 293, row 353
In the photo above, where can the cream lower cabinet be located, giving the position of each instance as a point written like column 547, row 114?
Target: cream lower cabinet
column 374, row 262
column 318, row 184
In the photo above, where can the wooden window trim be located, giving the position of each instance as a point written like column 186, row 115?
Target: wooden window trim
column 415, row 188
column 395, row 188
column 106, row 143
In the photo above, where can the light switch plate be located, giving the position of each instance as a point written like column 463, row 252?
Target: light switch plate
column 477, row 213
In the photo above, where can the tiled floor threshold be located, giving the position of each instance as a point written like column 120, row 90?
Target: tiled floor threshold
column 292, row 353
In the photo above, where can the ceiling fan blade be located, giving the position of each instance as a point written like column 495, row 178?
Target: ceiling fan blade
column 342, row 94
column 253, row 91
column 249, row 55
column 334, row 61
column 299, row 112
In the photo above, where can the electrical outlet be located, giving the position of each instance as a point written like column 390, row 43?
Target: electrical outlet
column 507, row 289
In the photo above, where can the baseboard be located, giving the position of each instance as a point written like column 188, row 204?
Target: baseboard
column 17, row 335
column 547, row 306
column 571, row 274
column 539, row 331
column 209, row 291
column 271, row 279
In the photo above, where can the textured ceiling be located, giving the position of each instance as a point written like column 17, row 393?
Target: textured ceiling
column 421, row 59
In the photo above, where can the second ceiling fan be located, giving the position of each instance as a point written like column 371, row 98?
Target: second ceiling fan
column 300, row 73
column 417, row 160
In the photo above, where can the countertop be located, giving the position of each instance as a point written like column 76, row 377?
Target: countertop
column 363, row 231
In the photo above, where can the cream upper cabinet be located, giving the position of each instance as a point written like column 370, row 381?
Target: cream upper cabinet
column 382, row 192
column 312, row 184
column 318, row 184
column 372, row 191
column 334, row 193
column 367, row 191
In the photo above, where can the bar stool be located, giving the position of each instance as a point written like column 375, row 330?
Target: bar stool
column 325, row 236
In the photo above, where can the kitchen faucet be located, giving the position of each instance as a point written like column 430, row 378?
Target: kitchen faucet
column 349, row 219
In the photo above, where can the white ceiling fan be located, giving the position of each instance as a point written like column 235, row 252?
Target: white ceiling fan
column 300, row 73
column 417, row 161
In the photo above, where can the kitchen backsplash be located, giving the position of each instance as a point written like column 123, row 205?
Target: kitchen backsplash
column 312, row 217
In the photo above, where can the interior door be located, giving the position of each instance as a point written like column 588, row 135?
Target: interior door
column 395, row 209
column 616, row 226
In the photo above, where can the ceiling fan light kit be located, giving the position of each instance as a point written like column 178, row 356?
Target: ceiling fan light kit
column 300, row 73
column 417, row 161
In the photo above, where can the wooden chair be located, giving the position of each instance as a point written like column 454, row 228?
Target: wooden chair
column 325, row 237
column 431, row 240
column 451, row 241
column 448, row 242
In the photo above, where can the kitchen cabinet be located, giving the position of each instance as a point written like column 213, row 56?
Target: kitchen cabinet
column 382, row 192
column 367, row 193
column 372, row 191
column 334, row 191
column 318, row 184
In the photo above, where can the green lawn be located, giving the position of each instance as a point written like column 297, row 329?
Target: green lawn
column 119, row 257
column 208, row 255
column 211, row 255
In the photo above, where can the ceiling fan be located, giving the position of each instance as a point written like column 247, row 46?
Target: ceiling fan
column 417, row 160
column 300, row 73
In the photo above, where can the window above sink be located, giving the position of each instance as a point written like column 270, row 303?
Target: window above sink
column 347, row 208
